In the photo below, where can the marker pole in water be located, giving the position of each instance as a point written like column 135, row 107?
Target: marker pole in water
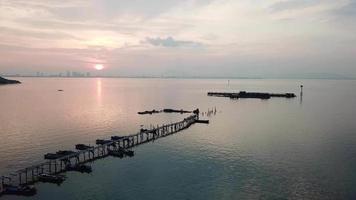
column 301, row 90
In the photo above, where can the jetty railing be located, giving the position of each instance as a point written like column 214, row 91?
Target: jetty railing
column 29, row 175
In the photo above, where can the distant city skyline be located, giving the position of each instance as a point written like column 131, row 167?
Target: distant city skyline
column 180, row 38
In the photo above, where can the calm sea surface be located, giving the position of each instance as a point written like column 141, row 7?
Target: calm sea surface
column 252, row 149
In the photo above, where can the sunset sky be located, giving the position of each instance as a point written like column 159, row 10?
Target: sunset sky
column 258, row 38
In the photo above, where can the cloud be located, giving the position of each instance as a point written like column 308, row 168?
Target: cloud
column 292, row 5
column 36, row 34
column 171, row 42
column 314, row 6
column 348, row 10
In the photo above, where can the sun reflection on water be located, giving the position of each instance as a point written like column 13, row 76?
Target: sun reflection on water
column 98, row 91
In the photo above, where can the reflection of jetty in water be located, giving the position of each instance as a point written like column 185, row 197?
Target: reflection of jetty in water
column 257, row 95
column 20, row 182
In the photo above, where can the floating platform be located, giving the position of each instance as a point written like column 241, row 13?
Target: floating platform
column 58, row 154
column 120, row 152
column 48, row 178
column 203, row 121
column 79, row 168
column 116, row 153
column 28, row 190
column 82, row 147
column 99, row 141
column 129, row 153
column 168, row 110
column 256, row 95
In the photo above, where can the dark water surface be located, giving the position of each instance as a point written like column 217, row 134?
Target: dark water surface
column 252, row 149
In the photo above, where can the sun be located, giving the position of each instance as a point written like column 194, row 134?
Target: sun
column 99, row 67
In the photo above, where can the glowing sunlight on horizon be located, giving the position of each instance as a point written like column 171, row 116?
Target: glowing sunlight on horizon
column 99, row 67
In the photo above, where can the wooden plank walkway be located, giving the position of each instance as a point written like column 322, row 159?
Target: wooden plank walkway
column 30, row 174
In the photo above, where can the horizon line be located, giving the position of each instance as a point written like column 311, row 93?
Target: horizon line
column 185, row 77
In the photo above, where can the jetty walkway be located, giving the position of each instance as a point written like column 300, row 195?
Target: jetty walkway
column 58, row 165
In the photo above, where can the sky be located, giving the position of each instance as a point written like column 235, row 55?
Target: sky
column 185, row 38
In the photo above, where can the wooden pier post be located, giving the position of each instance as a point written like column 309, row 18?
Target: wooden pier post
column 55, row 166
column 33, row 176
column 37, row 170
column 20, row 178
column 2, row 184
column 26, row 171
column 61, row 164
column 50, row 167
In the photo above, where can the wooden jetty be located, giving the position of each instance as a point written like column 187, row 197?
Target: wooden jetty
column 59, row 164
column 166, row 110
column 149, row 112
column 244, row 94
